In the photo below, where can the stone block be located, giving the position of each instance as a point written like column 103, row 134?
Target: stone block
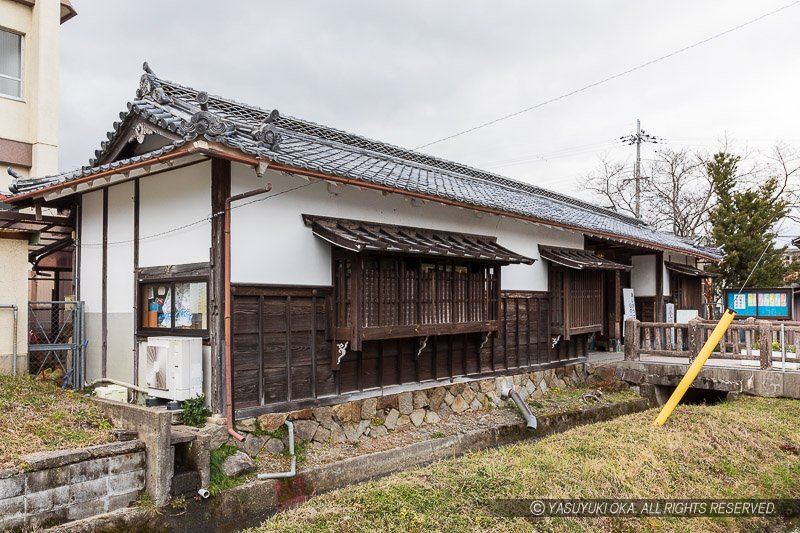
column 12, row 506
column 417, row 417
column 436, row 397
column 301, row 414
column 369, row 408
column 476, row 405
column 543, row 386
column 217, row 435
column 486, row 385
column 420, row 399
column 388, row 402
column 273, row 446
column 12, row 486
column 347, row 412
column 88, row 490
column 405, row 401
column 237, row 464
column 459, row 405
column 119, row 464
column 337, row 434
column 270, row 422
column 468, row 395
column 46, row 500
column 246, row 424
column 305, row 429
column 457, row 388
column 352, row 431
column 80, row 510
column 87, row 470
column 120, row 501
column 431, row 417
column 391, row 419
column 323, row 415
column 252, row 444
column 403, row 420
column 449, row 398
column 378, row 431
column 127, row 482
column 12, row 522
column 322, row 434
column 46, row 479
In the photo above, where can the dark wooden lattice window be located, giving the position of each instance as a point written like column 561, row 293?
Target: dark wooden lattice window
column 386, row 296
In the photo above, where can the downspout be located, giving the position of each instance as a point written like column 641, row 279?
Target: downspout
column 228, row 354
column 15, row 309
column 530, row 419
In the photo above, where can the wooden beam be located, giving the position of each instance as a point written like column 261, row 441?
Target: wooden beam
column 104, row 317
column 136, row 295
column 220, row 191
column 658, row 303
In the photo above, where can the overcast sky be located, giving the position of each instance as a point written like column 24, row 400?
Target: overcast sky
column 410, row 72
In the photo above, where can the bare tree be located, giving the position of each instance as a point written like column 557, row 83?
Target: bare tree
column 676, row 192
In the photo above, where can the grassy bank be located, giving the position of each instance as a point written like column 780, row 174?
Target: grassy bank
column 748, row 448
column 38, row 416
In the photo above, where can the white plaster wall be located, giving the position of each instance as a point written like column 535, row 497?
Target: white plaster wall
column 270, row 243
column 91, row 242
column 167, row 202
column 643, row 275
column 14, row 269
column 120, row 282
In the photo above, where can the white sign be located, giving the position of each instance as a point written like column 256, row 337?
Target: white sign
column 629, row 303
column 670, row 314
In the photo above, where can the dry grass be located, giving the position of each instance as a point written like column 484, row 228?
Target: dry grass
column 38, row 416
column 738, row 449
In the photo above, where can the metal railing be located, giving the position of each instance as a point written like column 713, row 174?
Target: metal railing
column 57, row 339
column 750, row 339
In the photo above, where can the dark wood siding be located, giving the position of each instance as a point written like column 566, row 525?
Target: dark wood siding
column 283, row 352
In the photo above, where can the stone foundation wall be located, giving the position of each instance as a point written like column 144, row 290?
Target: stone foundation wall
column 56, row 487
column 375, row 417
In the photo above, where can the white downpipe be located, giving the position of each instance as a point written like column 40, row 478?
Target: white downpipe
column 293, row 470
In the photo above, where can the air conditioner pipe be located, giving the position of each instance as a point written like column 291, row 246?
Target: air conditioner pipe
column 228, row 355
column 530, row 419
column 15, row 309
column 203, row 493
column 293, row 469
column 117, row 382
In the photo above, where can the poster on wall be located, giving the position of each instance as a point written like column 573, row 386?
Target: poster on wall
column 763, row 303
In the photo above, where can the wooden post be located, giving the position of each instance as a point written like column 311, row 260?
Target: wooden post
column 695, row 331
column 765, row 343
column 220, row 191
column 658, row 303
column 631, row 339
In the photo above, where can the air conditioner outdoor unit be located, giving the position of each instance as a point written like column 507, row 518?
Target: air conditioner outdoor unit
column 174, row 367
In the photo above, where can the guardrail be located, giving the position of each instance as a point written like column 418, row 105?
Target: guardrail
column 758, row 340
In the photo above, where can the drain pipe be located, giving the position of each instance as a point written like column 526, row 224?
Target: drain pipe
column 15, row 309
column 293, row 469
column 530, row 419
column 228, row 356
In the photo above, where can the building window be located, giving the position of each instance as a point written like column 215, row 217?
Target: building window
column 174, row 307
column 10, row 64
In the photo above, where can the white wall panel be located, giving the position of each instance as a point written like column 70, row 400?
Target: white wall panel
column 270, row 243
column 167, row 202
column 120, row 248
column 91, row 241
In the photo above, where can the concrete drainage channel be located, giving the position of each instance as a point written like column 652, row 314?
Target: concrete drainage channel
column 250, row 504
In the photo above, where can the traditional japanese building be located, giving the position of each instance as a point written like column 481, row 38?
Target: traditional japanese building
column 351, row 267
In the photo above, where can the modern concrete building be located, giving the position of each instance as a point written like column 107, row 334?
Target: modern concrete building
column 29, row 64
column 29, row 57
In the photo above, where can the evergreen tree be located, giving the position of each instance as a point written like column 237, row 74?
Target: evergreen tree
column 743, row 224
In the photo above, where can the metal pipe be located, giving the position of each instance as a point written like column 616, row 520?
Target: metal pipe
column 293, row 469
column 228, row 356
column 530, row 419
column 15, row 309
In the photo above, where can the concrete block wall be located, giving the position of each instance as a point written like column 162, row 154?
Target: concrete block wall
column 65, row 485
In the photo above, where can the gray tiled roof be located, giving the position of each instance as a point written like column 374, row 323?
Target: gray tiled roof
column 187, row 113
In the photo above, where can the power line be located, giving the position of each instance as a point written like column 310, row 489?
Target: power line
column 198, row 221
column 609, row 78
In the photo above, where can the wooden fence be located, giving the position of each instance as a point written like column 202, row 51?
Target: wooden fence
column 749, row 339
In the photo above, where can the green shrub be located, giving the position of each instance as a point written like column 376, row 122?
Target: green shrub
column 195, row 412
column 219, row 479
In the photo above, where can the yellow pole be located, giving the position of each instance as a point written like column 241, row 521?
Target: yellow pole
column 696, row 366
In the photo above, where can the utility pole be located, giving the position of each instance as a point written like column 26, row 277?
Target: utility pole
column 638, row 138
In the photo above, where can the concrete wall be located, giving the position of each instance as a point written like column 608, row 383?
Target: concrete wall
column 270, row 243
column 65, row 485
column 13, row 290
column 33, row 118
